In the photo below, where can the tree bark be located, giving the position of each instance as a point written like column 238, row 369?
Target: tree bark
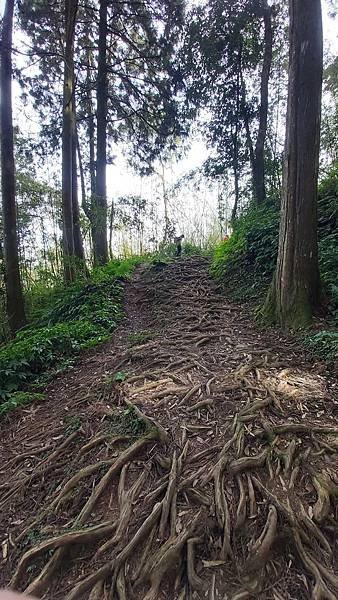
column 67, row 142
column 14, row 295
column 295, row 292
column 99, row 226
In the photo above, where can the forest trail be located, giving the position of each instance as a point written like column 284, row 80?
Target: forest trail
column 228, row 489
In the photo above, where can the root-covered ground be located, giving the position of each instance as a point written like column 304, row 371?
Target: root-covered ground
column 193, row 456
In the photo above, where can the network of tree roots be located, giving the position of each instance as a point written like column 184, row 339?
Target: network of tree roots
column 218, row 481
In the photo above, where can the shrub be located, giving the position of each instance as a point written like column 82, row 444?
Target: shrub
column 245, row 262
column 79, row 317
column 324, row 343
column 35, row 350
column 19, row 399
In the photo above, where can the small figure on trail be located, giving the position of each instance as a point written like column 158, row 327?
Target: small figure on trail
column 178, row 241
column 226, row 238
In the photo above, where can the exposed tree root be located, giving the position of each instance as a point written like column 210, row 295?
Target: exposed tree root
column 195, row 582
column 160, row 432
column 299, row 428
column 40, row 470
column 100, row 439
column 221, row 507
column 88, row 583
column 200, row 404
column 168, row 497
column 121, row 587
column 125, row 457
column 126, row 508
column 324, row 488
column 241, row 508
column 42, row 581
column 75, row 480
column 248, row 462
column 97, row 591
column 168, row 555
column 260, row 550
column 88, row 535
column 236, row 485
column 320, row 591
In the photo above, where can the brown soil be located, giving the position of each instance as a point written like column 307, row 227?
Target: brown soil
column 221, row 483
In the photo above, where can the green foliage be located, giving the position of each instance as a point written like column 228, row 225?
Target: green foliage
column 117, row 268
column 245, row 262
column 324, row 343
column 79, row 317
column 73, row 423
column 167, row 253
column 120, row 376
column 133, row 423
column 19, row 399
column 127, row 423
column 189, row 249
column 35, row 350
column 328, row 237
column 97, row 302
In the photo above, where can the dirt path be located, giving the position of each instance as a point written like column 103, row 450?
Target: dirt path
column 221, row 483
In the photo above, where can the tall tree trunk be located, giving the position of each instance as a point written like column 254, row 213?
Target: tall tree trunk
column 88, row 206
column 100, row 211
column 235, row 164
column 167, row 228
column 84, row 203
column 111, row 224
column 91, row 129
column 256, row 152
column 295, row 291
column 78, row 243
column 14, row 295
column 67, row 142
column 258, row 167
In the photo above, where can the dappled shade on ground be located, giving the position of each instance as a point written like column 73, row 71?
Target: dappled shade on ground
column 191, row 456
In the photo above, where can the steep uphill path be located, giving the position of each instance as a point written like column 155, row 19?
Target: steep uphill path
column 221, row 483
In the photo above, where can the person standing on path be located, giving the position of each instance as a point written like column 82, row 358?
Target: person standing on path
column 178, row 242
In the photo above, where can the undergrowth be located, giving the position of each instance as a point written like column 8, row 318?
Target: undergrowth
column 78, row 317
column 127, row 423
column 244, row 264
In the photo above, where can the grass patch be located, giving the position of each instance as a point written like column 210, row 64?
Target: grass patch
column 139, row 337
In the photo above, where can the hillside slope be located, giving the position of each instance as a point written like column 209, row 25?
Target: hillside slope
column 191, row 456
